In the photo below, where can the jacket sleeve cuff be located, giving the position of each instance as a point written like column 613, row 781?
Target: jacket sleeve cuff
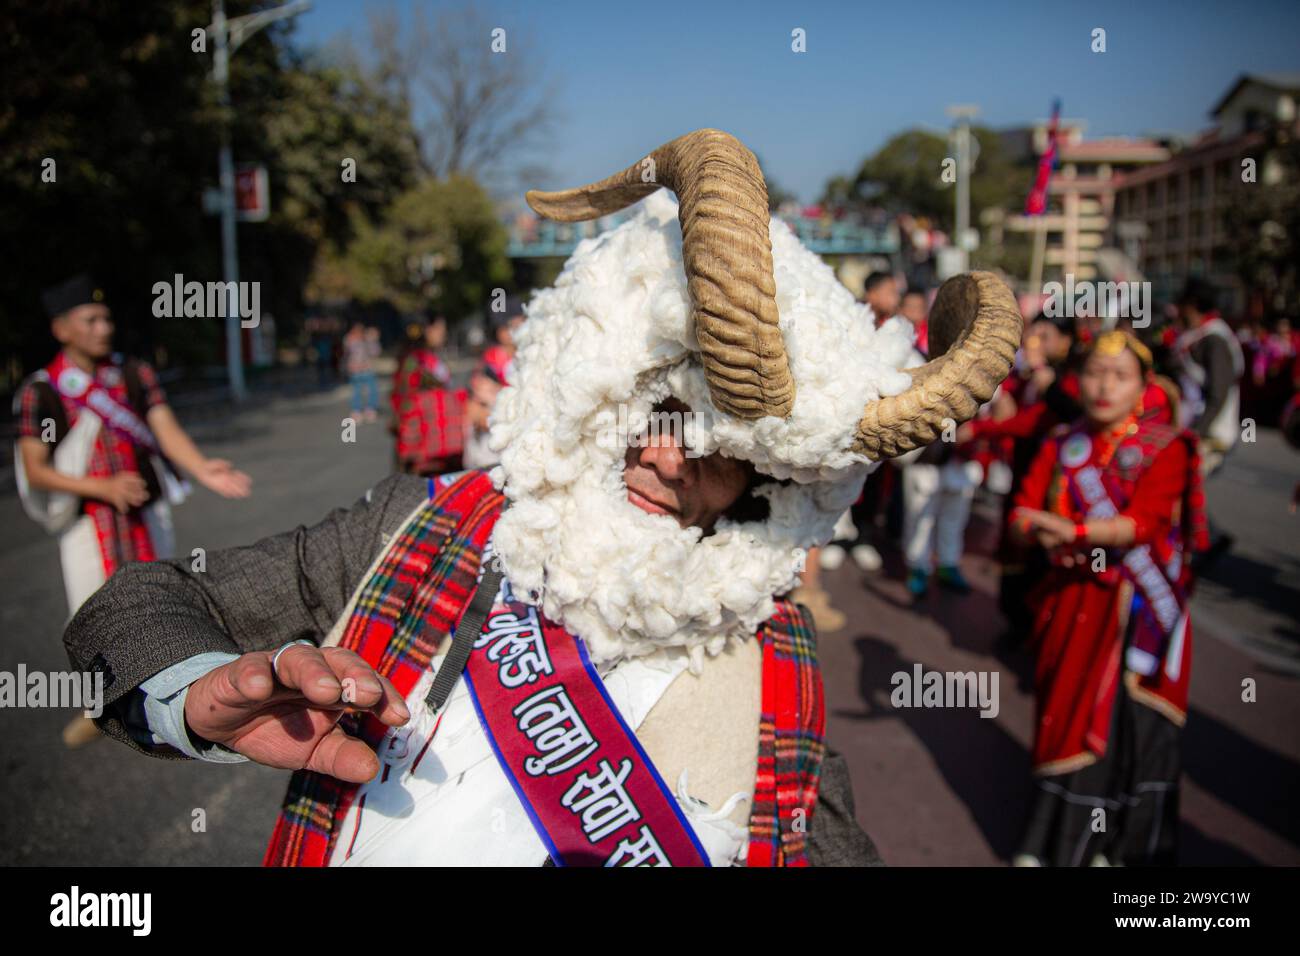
column 164, row 707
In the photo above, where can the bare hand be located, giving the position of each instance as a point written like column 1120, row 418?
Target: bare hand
column 1004, row 406
column 124, row 491
column 1050, row 530
column 219, row 475
column 292, row 722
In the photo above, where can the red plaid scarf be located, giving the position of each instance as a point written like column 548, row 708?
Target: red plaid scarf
column 416, row 597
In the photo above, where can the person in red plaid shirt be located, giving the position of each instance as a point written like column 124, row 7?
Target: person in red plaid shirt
column 95, row 453
column 429, row 415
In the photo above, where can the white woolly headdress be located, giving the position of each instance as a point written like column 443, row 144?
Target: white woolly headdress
column 779, row 365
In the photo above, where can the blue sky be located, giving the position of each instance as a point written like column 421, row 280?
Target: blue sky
column 632, row 75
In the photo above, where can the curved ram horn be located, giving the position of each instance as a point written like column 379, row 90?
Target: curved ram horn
column 975, row 329
column 727, row 255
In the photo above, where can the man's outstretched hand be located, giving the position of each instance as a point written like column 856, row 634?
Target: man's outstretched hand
column 292, row 722
column 219, row 475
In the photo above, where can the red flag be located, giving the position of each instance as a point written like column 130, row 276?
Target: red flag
column 1036, row 203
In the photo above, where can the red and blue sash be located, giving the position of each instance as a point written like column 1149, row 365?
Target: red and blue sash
column 1158, row 606
column 416, row 596
column 592, row 793
column 84, row 390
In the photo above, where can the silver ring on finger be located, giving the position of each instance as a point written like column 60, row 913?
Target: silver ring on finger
column 276, row 659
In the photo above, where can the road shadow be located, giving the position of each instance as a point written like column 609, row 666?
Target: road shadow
column 1262, row 583
column 971, row 622
column 1258, row 781
column 983, row 765
column 1196, row 848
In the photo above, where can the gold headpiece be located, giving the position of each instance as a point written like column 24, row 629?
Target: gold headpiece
column 1116, row 341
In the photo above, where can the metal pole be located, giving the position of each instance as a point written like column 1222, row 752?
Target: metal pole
column 229, row 248
column 1040, row 253
column 963, row 181
column 962, row 114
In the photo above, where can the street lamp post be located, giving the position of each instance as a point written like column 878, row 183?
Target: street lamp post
column 963, row 115
column 228, row 35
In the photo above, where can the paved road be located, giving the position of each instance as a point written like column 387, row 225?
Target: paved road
column 932, row 786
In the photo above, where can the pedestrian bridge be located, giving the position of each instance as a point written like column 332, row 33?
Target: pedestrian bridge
column 534, row 238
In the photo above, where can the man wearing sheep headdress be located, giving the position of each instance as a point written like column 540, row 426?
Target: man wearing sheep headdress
column 582, row 656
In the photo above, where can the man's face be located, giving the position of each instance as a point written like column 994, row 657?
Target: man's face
column 662, row 480
column 1055, row 344
column 506, row 333
column 883, row 299
column 913, row 308
column 87, row 329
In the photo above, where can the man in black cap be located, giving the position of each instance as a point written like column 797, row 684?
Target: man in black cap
column 95, row 452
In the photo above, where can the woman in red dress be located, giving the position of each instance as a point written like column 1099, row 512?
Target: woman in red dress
column 1115, row 501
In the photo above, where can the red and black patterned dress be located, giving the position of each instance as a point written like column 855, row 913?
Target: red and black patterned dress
column 1106, row 736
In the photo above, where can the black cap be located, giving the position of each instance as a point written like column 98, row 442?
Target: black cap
column 514, row 308
column 1199, row 293
column 79, row 290
column 1063, row 323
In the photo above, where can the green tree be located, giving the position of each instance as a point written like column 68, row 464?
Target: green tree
column 121, row 102
column 1262, row 225
column 114, row 97
column 339, row 152
column 440, row 247
column 906, row 175
column 339, row 144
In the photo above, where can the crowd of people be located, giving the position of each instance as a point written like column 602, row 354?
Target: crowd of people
column 439, row 428
column 1098, row 446
column 439, row 424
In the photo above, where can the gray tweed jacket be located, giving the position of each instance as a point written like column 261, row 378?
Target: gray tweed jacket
column 151, row 615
